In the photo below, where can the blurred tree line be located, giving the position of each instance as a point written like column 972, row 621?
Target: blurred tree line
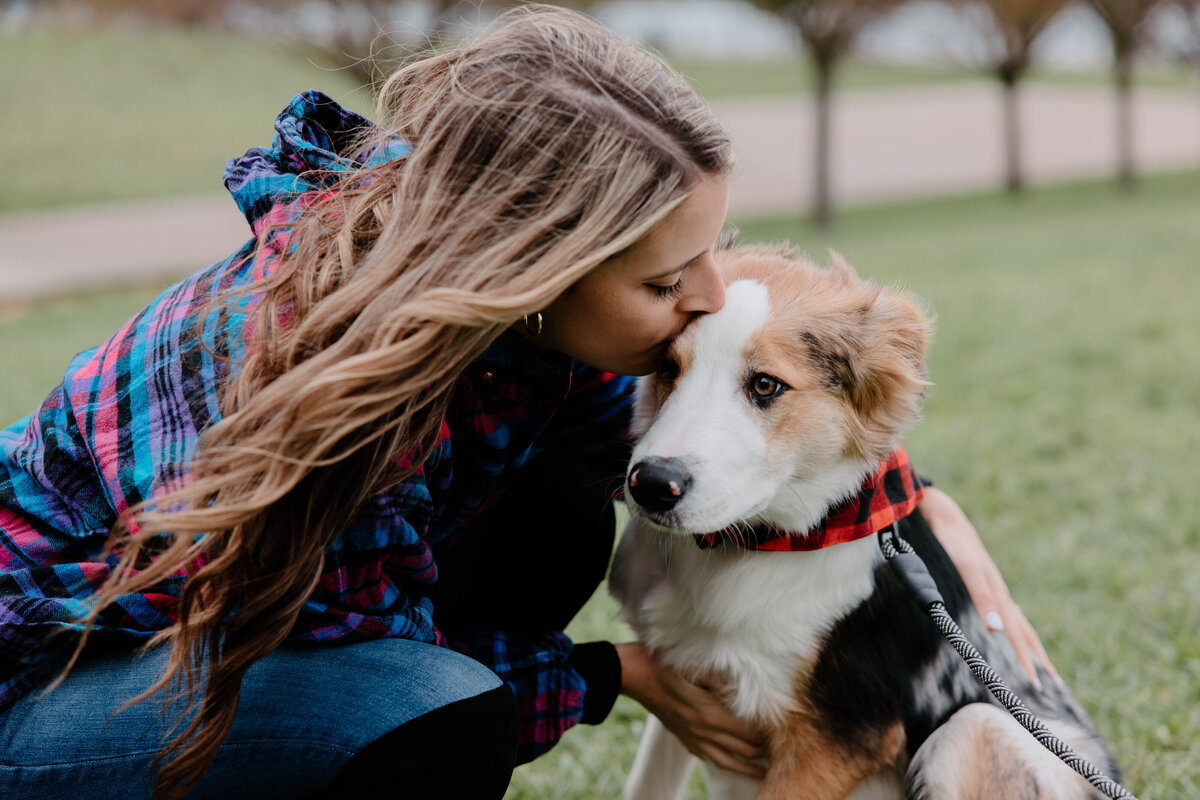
column 829, row 28
column 367, row 37
column 372, row 37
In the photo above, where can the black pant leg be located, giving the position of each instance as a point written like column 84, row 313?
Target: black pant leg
column 464, row 749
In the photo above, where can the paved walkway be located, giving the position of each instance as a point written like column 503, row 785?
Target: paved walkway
column 888, row 144
column 944, row 140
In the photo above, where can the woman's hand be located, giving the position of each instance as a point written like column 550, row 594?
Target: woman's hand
column 988, row 591
column 693, row 712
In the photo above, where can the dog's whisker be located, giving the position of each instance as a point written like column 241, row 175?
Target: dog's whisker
column 743, row 531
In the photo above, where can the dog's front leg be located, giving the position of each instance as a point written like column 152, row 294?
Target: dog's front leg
column 661, row 767
column 806, row 762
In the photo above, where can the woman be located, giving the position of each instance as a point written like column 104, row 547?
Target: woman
column 299, row 457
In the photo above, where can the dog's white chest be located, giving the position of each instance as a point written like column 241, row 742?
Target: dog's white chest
column 755, row 618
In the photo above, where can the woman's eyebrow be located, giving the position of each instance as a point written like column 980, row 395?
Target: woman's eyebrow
column 680, row 268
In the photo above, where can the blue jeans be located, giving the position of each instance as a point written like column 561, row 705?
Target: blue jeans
column 305, row 718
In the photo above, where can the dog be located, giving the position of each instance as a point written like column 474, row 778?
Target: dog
column 765, row 416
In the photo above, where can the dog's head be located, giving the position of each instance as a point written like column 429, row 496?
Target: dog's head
column 775, row 407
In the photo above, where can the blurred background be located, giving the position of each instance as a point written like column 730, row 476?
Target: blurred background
column 1029, row 168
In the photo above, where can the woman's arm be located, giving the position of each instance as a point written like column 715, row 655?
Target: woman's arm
column 988, row 591
column 694, row 712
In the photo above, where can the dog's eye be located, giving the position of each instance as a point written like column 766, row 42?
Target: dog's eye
column 764, row 387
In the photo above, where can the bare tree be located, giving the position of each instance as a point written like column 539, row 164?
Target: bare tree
column 1191, row 15
column 367, row 37
column 1127, row 29
column 828, row 29
column 1016, row 25
column 187, row 13
column 1190, row 10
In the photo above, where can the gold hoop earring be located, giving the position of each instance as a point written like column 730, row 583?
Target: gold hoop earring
column 534, row 329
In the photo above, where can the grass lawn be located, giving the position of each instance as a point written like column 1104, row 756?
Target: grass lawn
column 1063, row 419
column 113, row 115
column 775, row 77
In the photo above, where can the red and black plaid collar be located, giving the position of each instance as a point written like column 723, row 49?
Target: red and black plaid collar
column 888, row 495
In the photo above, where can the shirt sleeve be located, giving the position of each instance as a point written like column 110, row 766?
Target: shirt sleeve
column 557, row 684
column 125, row 420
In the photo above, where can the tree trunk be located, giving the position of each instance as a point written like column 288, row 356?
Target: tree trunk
column 1198, row 59
column 1124, row 108
column 822, row 190
column 1014, row 174
column 1192, row 14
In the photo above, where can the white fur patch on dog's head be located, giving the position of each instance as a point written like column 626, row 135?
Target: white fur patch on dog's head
column 775, row 407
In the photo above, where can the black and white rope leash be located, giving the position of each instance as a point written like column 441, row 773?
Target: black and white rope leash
column 911, row 570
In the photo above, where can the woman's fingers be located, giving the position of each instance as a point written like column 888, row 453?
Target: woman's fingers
column 1002, row 614
column 979, row 586
column 693, row 711
column 724, row 759
column 991, row 599
column 718, row 716
column 985, row 584
column 723, row 741
column 1020, row 642
column 1039, row 652
column 1028, row 645
column 733, row 736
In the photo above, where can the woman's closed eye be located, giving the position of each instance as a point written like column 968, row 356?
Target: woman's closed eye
column 669, row 291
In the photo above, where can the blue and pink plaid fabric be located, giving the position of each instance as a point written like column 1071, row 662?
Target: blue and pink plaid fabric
column 123, row 425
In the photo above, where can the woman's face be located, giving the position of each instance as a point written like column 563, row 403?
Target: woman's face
column 621, row 317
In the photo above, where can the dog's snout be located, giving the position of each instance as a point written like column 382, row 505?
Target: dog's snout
column 657, row 484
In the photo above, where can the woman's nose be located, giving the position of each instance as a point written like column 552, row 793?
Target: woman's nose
column 708, row 294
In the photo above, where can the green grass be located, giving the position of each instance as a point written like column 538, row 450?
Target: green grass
column 781, row 77
column 112, row 115
column 1063, row 419
column 774, row 77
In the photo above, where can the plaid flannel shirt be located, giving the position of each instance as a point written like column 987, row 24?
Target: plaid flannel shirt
column 123, row 425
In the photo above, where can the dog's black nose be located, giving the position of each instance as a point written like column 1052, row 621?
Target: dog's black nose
column 657, row 484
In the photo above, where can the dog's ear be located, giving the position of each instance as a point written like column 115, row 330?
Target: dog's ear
column 887, row 374
column 841, row 267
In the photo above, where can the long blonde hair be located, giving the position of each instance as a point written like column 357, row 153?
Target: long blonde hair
column 540, row 150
